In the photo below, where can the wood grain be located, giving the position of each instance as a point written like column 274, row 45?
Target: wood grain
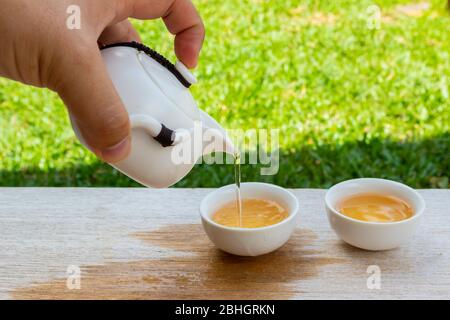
column 148, row 244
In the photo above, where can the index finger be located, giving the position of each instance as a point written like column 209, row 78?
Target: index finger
column 181, row 19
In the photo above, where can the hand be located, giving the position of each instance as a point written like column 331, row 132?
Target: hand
column 38, row 49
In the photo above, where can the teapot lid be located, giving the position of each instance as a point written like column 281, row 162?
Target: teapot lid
column 173, row 80
column 179, row 70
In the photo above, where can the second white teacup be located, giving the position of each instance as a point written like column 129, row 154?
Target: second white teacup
column 249, row 241
column 373, row 235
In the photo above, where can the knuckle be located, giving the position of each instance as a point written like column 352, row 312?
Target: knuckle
column 63, row 61
column 80, row 53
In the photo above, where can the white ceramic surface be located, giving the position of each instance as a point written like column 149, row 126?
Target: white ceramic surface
column 153, row 96
column 249, row 241
column 373, row 235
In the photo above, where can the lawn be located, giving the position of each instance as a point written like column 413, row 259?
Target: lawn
column 352, row 95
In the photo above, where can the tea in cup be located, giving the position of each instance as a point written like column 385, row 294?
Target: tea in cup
column 255, row 213
column 375, row 207
column 269, row 217
column 374, row 214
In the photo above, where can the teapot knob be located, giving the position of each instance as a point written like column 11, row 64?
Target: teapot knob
column 185, row 72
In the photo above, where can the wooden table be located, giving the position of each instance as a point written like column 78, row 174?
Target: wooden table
column 149, row 244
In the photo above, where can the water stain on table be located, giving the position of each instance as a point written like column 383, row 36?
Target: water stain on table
column 205, row 273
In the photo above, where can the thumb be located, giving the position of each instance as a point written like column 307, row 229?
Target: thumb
column 95, row 107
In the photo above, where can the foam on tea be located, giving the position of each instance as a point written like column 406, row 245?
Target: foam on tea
column 375, row 208
column 256, row 213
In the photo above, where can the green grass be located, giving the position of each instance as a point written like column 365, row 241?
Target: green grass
column 349, row 101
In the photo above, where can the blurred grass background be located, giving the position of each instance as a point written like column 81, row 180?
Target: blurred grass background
column 349, row 100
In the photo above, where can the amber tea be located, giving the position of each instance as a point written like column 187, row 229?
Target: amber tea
column 375, row 208
column 256, row 213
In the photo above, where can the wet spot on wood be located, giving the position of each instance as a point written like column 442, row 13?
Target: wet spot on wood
column 204, row 273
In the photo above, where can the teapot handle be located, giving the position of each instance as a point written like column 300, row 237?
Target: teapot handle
column 157, row 130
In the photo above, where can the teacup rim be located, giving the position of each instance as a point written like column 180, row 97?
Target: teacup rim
column 292, row 213
column 415, row 216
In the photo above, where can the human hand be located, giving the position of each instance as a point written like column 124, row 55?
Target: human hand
column 38, row 49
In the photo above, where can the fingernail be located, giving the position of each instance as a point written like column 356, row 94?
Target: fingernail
column 118, row 152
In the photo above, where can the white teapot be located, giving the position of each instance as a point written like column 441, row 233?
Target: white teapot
column 169, row 132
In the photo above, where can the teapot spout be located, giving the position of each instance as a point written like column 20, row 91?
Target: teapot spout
column 215, row 138
column 229, row 146
column 217, row 141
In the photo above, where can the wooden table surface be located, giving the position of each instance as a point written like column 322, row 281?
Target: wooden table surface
column 149, row 244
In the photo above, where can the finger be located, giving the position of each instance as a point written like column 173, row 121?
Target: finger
column 181, row 19
column 95, row 106
column 119, row 32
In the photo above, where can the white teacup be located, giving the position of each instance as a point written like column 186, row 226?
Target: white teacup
column 249, row 241
column 373, row 235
